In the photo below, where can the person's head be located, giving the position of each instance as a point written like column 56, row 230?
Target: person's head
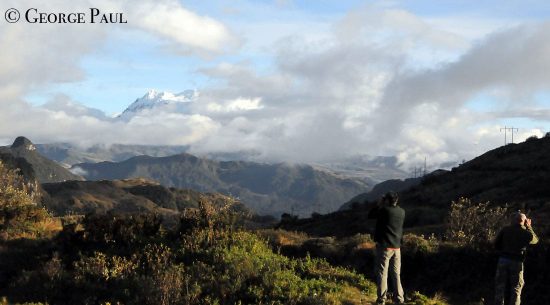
column 390, row 199
column 519, row 218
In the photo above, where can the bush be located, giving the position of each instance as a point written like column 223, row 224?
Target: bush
column 358, row 242
column 121, row 230
column 19, row 212
column 418, row 299
column 531, row 139
column 474, row 224
column 418, row 244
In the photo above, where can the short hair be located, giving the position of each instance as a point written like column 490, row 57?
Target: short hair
column 391, row 197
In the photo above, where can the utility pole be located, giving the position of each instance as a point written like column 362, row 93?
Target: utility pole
column 425, row 160
column 506, row 129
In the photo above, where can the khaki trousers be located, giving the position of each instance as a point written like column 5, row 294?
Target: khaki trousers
column 388, row 261
column 509, row 272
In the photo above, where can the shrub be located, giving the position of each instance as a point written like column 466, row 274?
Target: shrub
column 121, row 230
column 419, row 244
column 474, row 224
column 531, row 139
column 18, row 209
column 358, row 242
column 418, row 299
column 210, row 217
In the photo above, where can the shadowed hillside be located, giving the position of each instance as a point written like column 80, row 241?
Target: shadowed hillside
column 266, row 188
column 516, row 175
column 25, row 168
column 45, row 170
column 394, row 185
column 125, row 196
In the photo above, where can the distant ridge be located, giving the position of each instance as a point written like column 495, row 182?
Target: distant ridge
column 70, row 154
column 265, row 188
column 393, row 185
column 44, row 169
column 129, row 196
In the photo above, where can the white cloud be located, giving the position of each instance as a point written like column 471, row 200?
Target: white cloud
column 38, row 55
column 377, row 82
column 78, row 171
column 236, row 105
column 377, row 105
column 169, row 19
column 63, row 104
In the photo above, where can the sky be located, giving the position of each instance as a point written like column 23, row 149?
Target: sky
column 294, row 81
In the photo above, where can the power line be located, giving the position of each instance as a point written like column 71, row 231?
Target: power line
column 420, row 171
column 425, row 169
column 506, row 129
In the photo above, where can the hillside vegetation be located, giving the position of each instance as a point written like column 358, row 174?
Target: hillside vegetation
column 207, row 260
column 20, row 213
column 133, row 259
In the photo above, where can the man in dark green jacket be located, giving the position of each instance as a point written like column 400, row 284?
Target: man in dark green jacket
column 511, row 243
column 388, row 236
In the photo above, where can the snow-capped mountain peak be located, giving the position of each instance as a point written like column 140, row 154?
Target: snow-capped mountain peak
column 160, row 96
column 162, row 100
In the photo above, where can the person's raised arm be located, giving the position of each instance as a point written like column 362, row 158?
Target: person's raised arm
column 534, row 238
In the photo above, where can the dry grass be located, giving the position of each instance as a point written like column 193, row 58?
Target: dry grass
column 365, row 246
column 46, row 228
column 283, row 238
column 353, row 296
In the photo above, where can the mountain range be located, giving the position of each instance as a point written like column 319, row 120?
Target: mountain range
column 68, row 154
column 267, row 189
column 373, row 170
column 270, row 189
